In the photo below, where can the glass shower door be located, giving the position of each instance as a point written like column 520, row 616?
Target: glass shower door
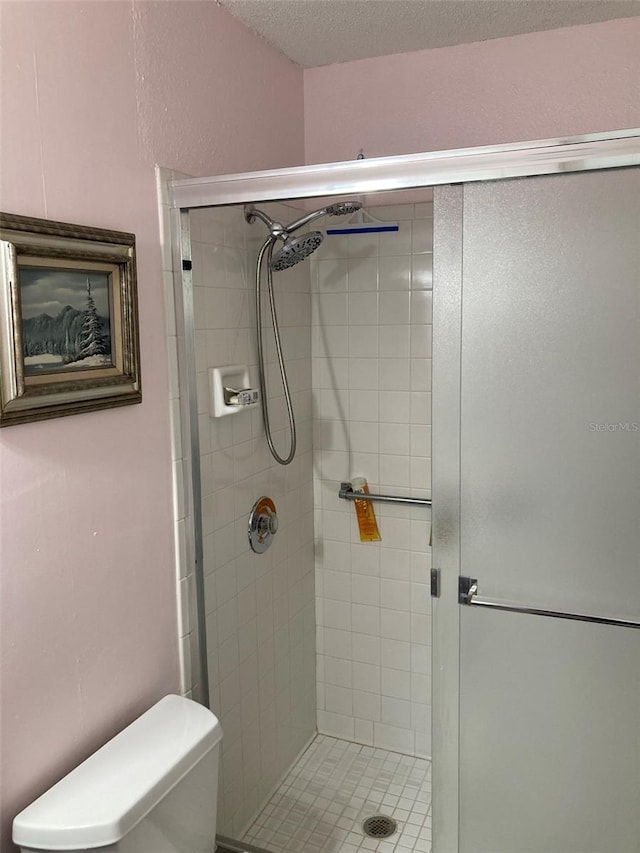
column 549, row 515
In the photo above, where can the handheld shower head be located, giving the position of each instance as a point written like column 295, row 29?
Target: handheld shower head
column 293, row 250
column 296, row 249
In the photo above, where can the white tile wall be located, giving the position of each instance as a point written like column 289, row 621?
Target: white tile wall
column 259, row 608
column 371, row 313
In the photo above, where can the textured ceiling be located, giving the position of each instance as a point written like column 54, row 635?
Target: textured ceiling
column 321, row 32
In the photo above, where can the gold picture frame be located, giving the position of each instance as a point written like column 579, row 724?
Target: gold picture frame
column 69, row 338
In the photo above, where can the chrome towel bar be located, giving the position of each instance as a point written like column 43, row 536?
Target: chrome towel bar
column 468, row 594
column 346, row 493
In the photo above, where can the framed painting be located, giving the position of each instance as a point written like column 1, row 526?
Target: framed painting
column 68, row 319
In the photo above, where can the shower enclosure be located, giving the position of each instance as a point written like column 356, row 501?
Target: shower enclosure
column 351, row 657
column 535, row 492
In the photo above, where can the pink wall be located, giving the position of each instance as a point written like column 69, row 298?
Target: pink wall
column 93, row 95
column 549, row 84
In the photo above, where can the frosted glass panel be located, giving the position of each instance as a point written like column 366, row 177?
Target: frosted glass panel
column 549, row 736
column 551, row 390
column 550, row 513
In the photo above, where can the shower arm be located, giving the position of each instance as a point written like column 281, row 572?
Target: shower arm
column 283, row 231
column 278, row 231
column 304, row 220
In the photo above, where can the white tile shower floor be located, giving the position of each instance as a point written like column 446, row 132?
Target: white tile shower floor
column 333, row 787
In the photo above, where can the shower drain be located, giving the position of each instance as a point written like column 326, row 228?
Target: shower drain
column 379, row 826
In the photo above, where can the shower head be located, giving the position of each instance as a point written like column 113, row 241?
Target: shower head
column 342, row 208
column 296, row 249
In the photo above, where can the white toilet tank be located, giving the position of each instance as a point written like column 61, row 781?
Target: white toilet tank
column 152, row 789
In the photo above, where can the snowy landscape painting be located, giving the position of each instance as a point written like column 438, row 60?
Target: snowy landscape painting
column 66, row 319
column 69, row 340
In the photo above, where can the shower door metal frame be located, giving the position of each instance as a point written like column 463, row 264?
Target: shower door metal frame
column 590, row 152
column 414, row 171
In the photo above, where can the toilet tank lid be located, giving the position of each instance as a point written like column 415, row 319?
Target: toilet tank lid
column 100, row 801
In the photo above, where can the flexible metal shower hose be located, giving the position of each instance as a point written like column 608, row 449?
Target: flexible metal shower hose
column 268, row 248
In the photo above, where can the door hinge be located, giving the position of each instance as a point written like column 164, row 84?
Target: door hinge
column 435, row 583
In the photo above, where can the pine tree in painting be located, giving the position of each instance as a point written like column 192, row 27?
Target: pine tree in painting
column 90, row 341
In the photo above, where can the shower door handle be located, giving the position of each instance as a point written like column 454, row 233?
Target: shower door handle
column 468, row 595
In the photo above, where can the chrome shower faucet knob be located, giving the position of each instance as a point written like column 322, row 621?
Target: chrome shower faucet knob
column 263, row 524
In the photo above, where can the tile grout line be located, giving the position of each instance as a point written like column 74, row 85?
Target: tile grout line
column 336, row 784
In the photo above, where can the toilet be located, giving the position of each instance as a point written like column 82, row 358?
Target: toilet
column 152, row 789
